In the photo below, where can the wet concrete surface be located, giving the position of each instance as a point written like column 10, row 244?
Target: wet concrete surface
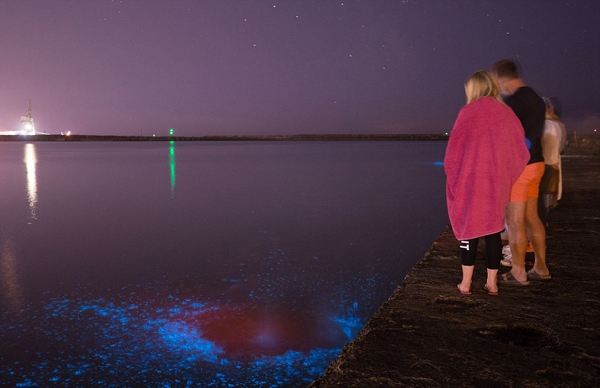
column 546, row 334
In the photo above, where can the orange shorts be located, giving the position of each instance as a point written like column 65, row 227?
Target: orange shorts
column 528, row 184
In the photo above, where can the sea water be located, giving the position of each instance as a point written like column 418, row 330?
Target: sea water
column 203, row 264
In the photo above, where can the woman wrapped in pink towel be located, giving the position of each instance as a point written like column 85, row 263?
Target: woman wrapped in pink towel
column 485, row 155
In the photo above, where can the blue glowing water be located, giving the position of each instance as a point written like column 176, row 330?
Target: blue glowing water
column 252, row 269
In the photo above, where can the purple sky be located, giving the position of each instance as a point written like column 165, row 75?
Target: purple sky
column 212, row 67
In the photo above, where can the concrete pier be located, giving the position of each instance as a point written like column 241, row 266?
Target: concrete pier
column 543, row 335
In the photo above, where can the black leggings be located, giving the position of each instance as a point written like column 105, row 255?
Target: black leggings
column 493, row 251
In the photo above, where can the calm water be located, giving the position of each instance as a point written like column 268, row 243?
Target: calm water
column 203, row 264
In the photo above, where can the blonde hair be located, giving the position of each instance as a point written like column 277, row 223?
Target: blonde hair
column 482, row 84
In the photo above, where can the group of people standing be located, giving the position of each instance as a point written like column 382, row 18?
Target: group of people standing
column 494, row 163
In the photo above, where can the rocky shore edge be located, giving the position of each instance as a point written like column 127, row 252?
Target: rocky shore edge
column 544, row 335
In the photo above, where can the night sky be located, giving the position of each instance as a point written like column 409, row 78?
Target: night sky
column 240, row 67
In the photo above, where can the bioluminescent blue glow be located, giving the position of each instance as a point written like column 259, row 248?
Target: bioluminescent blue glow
column 350, row 326
column 146, row 335
column 154, row 341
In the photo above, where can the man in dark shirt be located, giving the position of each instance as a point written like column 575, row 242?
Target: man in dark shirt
column 531, row 110
column 523, row 221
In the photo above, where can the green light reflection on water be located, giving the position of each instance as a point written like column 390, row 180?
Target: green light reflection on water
column 172, row 165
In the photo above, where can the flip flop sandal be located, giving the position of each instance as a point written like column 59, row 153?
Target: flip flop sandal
column 509, row 279
column 531, row 274
column 488, row 291
column 463, row 292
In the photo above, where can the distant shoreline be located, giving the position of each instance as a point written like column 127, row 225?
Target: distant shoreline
column 313, row 137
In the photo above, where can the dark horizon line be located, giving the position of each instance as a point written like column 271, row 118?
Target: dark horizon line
column 304, row 137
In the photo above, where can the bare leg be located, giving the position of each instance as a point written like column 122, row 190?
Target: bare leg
column 492, row 277
column 467, row 271
column 517, row 238
column 537, row 236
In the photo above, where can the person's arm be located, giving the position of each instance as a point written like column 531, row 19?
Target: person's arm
column 550, row 145
column 563, row 137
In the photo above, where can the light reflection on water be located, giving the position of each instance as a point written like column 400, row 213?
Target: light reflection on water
column 267, row 261
column 172, row 166
column 30, row 162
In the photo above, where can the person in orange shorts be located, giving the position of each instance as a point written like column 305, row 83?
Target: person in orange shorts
column 522, row 217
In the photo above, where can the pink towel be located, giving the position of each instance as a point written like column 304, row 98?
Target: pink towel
column 486, row 153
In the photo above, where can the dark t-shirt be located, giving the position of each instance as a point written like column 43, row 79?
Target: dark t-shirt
column 531, row 110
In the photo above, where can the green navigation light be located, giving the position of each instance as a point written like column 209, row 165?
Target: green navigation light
column 171, row 132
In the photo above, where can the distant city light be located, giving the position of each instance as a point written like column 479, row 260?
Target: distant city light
column 27, row 122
